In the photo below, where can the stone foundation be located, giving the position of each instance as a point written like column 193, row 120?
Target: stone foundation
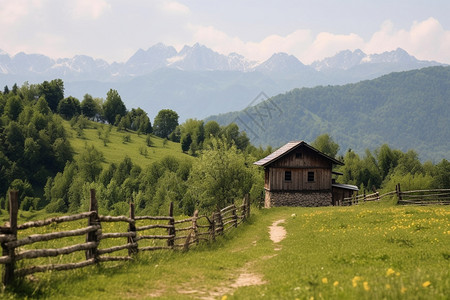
column 304, row 198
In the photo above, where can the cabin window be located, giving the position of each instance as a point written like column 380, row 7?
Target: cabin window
column 310, row 176
column 298, row 155
column 287, row 176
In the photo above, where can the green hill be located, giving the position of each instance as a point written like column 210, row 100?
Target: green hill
column 121, row 144
column 407, row 110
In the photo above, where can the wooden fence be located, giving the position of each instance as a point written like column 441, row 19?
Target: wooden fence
column 418, row 197
column 423, row 197
column 143, row 233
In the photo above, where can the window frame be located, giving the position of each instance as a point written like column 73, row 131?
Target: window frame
column 288, row 176
column 311, row 175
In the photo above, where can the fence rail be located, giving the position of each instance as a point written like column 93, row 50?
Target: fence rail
column 416, row 197
column 144, row 233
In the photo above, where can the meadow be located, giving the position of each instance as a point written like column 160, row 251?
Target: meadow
column 370, row 251
column 122, row 143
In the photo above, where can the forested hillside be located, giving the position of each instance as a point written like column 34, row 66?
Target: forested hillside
column 407, row 110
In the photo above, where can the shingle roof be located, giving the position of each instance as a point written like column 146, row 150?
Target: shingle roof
column 288, row 148
column 346, row 186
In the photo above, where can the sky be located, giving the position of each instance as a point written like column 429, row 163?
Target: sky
column 311, row 30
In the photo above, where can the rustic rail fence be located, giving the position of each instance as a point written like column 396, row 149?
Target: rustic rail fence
column 423, row 197
column 416, row 197
column 142, row 233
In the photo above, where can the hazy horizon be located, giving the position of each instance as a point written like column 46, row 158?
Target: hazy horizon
column 114, row 30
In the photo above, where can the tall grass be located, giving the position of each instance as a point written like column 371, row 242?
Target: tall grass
column 370, row 251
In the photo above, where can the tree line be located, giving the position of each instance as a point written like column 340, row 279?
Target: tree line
column 384, row 167
column 37, row 159
column 33, row 138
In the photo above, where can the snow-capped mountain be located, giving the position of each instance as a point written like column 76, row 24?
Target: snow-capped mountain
column 197, row 76
column 345, row 60
column 195, row 58
column 201, row 58
column 144, row 62
column 281, row 62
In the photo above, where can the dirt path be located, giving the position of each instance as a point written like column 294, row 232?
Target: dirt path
column 277, row 233
column 246, row 276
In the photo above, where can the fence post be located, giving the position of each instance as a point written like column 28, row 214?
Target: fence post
column 212, row 227
column 247, row 206
column 132, row 228
column 171, row 230
column 364, row 199
column 8, row 272
column 194, row 226
column 219, row 222
column 234, row 214
column 93, row 236
column 399, row 192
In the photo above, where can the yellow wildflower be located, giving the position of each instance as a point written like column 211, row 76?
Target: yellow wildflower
column 355, row 281
column 390, row 271
column 325, row 280
column 366, row 286
column 388, row 286
column 426, row 284
column 336, row 283
column 224, row 297
column 403, row 290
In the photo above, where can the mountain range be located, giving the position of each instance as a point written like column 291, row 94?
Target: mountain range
column 406, row 110
column 197, row 81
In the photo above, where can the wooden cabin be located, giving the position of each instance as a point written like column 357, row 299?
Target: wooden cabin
column 297, row 174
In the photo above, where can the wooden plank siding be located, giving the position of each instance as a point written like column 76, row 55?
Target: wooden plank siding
column 299, row 179
column 299, row 163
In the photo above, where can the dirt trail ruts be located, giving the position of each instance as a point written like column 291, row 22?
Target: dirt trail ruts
column 246, row 277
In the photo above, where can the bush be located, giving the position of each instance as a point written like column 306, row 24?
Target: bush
column 56, row 206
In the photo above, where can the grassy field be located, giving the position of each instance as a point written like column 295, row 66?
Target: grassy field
column 371, row 251
column 117, row 147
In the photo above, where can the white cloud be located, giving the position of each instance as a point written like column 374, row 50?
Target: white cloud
column 14, row 11
column 259, row 51
column 91, row 9
column 175, row 7
column 427, row 40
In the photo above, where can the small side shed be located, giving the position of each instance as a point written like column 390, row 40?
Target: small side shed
column 297, row 174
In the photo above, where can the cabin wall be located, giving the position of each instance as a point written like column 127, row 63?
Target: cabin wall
column 306, row 199
column 339, row 194
column 299, row 179
column 299, row 163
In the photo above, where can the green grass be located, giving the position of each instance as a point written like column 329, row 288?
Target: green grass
column 371, row 251
column 116, row 149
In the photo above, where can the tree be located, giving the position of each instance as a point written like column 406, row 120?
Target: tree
column 53, row 92
column 165, row 122
column 69, row 107
column 442, row 177
column 220, row 176
column 387, row 159
column 89, row 107
column 13, row 107
column 139, row 121
column 212, row 129
column 89, row 163
column 113, row 107
column 186, row 141
column 325, row 144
